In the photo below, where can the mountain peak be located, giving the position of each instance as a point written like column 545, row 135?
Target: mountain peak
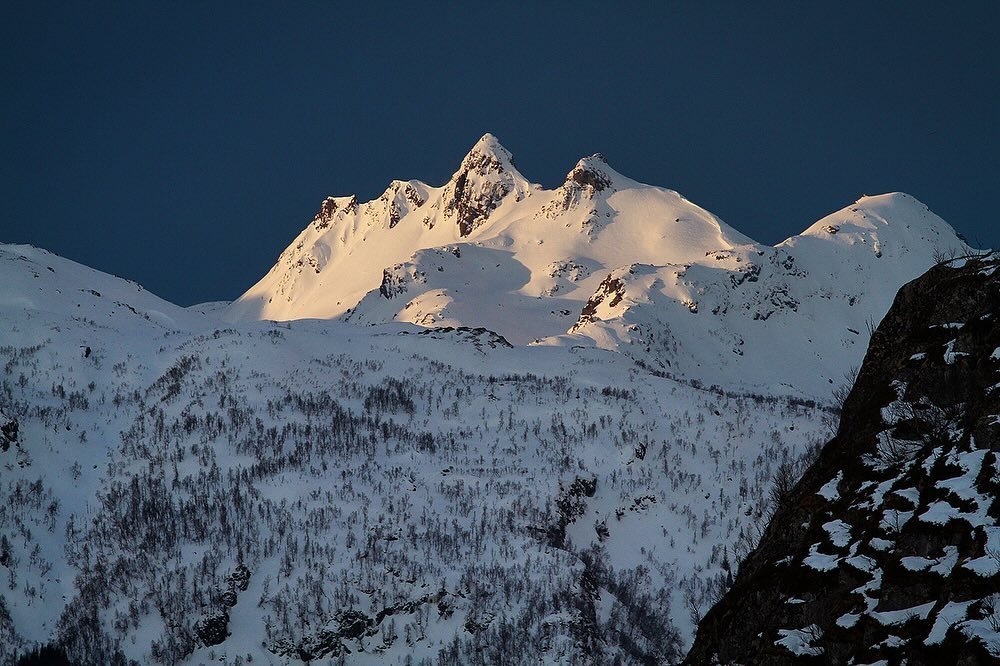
column 594, row 172
column 886, row 208
column 596, row 157
column 489, row 148
column 894, row 222
column 399, row 199
column 891, row 197
column 485, row 178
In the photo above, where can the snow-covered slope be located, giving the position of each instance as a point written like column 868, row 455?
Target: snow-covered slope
column 176, row 491
column 793, row 317
column 604, row 260
column 37, row 283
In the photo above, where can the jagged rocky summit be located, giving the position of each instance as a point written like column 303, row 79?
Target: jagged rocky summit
column 606, row 261
column 888, row 549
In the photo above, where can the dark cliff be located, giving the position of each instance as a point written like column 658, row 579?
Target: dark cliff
column 888, row 548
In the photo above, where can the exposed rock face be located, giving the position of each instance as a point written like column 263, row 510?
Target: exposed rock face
column 588, row 173
column 400, row 199
column 889, row 547
column 326, row 213
column 570, row 505
column 239, row 579
column 345, row 627
column 329, row 209
column 8, row 431
column 479, row 337
column 610, row 293
column 213, row 628
column 485, row 178
column 587, row 185
column 393, row 282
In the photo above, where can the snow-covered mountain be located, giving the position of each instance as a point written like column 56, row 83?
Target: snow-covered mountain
column 500, row 420
column 606, row 261
column 173, row 490
column 794, row 317
column 339, row 257
column 556, row 239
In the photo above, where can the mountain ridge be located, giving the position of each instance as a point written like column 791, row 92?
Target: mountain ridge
column 488, row 249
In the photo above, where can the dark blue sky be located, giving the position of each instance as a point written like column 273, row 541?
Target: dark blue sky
column 184, row 145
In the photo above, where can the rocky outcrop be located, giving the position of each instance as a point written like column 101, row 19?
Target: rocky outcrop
column 479, row 337
column 239, row 579
column 609, row 293
column 213, row 628
column 393, row 282
column 236, row 582
column 8, row 431
column 331, row 208
column 589, row 174
column 485, row 178
column 587, row 185
column 400, row 199
column 347, row 627
column 571, row 503
column 888, row 549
